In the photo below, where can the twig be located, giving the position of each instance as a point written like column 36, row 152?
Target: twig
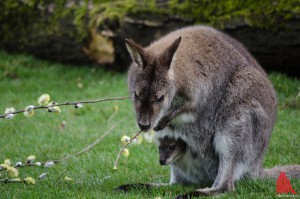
column 112, row 116
column 60, row 176
column 6, row 180
column 88, row 147
column 72, row 155
column 125, row 145
column 66, row 104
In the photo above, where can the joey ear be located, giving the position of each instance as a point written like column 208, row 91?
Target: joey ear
column 168, row 54
column 136, row 52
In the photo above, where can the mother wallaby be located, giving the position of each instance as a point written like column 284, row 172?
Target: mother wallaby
column 202, row 86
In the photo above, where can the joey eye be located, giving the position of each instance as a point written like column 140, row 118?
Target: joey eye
column 172, row 147
column 136, row 97
column 160, row 99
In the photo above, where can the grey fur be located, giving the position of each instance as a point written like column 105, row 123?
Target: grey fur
column 202, row 86
column 184, row 162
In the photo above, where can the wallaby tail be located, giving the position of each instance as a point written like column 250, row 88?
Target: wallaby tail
column 291, row 171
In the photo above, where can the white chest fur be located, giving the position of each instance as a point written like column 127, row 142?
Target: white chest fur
column 184, row 118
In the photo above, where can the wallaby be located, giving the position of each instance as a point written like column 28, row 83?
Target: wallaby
column 202, row 86
column 170, row 150
column 184, row 163
column 178, row 155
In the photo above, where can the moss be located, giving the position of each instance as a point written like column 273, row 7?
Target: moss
column 28, row 23
column 218, row 13
column 23, row 22
column 45, row 16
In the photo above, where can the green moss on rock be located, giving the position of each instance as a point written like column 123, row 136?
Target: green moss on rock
column 34, row 25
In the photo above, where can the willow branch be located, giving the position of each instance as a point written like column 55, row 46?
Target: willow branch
column 68, row 156
column 68, row 103
column 6, row 180
column 125, row 145
column 88, row 147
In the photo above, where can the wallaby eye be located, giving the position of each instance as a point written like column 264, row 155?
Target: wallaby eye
column 161, row 99
column 172, row 147
column 136, row 97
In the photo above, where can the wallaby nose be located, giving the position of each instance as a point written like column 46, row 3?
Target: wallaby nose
column 144, row 126
column 162, row 162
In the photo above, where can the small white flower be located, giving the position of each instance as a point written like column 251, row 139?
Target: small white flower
column 13, row 172
column 49, row 164
column 9, row 110
column 29, row 108
column 44, row 99
column 28, row 114
column 29, row 180
column 4, row 166
column 42, row 176
column 149, row 136
column 116, row 108
column 30, row 159
column 138, row 139
column 78, row 105
column 7, row 162
column 18, row 164
column 38, row 164
column 54, row 109
column 125, row 152
column 135, row 140
column 125, row 139
column 16, row 180
column 68, row 178
column 29, row 111
column 9, row 116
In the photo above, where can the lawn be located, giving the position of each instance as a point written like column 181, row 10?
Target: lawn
column 51, row 136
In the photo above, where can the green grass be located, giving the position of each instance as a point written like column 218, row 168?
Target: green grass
column 23, row 79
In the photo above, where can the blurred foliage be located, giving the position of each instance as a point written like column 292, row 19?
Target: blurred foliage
column 22, row 19
column 27, row 25
column 45, row 15
column 262, row 14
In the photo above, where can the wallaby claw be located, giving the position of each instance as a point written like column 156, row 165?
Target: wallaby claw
column 158, row 128
column 162, row 124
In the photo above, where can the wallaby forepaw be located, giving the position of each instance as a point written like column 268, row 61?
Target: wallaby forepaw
column 161, row 125
column 158, row 128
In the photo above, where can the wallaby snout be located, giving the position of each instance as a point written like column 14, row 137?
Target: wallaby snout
column 144, row 125
column 162, row 161
column 144, row 117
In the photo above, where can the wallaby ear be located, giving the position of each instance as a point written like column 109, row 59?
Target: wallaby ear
column 136, row 52
column 168, row 54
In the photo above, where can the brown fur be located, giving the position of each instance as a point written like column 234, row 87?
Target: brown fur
column 203, row 87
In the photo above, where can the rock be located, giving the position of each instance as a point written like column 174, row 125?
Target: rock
column 275, row 49
column 61, row 30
